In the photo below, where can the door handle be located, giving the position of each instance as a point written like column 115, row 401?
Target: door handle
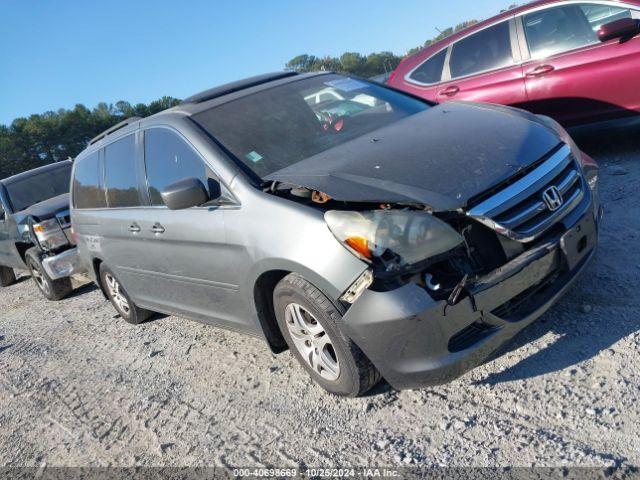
column 449, row 91
column 157, row 228
column 540, row 70
column 134, row 228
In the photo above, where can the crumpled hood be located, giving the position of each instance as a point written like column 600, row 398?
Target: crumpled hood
column 441, row 157
column 44, row 210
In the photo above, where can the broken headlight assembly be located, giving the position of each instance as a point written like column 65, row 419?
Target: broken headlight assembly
column 49, row 234
column 392, row 240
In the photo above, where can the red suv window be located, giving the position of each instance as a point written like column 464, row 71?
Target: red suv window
column 556, row 30
column 489, row 49
column 430, row 71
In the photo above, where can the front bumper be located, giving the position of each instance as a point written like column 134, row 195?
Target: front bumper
column 62, row 265
column 416, row 341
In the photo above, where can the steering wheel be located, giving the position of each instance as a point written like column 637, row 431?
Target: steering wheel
column 332, row 123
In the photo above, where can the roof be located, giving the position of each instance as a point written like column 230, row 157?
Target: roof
column 35, row 171
column 227, row 88
column 203, row 101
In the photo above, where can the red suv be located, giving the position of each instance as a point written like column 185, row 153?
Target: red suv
column 576, row 61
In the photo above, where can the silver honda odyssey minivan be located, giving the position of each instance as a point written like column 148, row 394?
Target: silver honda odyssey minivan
column 372, row 233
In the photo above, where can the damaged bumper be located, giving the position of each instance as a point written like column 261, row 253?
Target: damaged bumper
column 62, row 265
column 416, row 341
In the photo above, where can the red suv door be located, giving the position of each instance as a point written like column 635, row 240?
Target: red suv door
column 484, row 66
column 572, row 76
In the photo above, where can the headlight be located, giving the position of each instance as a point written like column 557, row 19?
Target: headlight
column 392, row 238
column 49, row 234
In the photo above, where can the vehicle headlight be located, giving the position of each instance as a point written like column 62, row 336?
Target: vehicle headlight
column 49, row 234
column 392, row 239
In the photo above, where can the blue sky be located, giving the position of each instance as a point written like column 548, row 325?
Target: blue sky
column 55, row 54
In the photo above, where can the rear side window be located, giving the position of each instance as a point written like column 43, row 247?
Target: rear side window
column 120, row 173
column 168, row 158
column 431, row 70
column 489, row 49
column 88, row 190
column 558, row 29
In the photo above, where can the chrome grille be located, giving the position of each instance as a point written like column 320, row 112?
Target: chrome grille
column 521, row 212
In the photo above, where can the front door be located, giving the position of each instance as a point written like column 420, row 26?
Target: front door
column 191, row 267
column 572, row 76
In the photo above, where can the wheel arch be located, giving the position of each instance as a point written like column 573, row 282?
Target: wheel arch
column 263, row 288
column 95, row 270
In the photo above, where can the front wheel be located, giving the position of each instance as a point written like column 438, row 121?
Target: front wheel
column 309, row 323
column 51, row 289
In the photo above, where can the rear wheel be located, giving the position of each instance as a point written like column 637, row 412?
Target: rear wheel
column 51, row 289
column 7, row 276
column 120, row 299
column 309, row 322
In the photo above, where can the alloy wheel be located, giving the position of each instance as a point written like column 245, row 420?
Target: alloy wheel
column 115, row 293
column 312, row 341
column 38, row 276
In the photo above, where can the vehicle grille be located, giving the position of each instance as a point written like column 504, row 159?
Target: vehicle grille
column 520, row 211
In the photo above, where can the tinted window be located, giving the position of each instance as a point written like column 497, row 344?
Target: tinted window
column 88, row 191
column 120, row 173
column 488, row 49
column 556, row 30
column 169, row 158
column 598, row 15
column 431, row 70
column 277, row 127
column 38, row 187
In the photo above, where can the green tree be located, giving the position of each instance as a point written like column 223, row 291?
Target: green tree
column 53, row 136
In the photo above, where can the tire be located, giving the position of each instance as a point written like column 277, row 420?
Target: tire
column 52, row 289
column 309, row 322
column 7, row 276
column 120, row 299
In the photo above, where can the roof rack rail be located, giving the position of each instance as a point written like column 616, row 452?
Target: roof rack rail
column 116, row 127
column 228, row 88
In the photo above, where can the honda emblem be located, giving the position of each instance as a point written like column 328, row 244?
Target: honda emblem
column 552, row 198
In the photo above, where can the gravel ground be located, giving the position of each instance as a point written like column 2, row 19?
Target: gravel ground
column 81, row 387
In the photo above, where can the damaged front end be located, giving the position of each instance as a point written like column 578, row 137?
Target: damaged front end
column 444, row 289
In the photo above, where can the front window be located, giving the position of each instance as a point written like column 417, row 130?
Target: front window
column 169, row 159
column 283, row 125
column 561, row 29
column 598, row 15
column 39, row 187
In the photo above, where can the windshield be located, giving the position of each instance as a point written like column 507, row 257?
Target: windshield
column 39, row 187
column 275, row 128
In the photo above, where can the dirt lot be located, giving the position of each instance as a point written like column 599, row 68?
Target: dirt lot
column 81, row 387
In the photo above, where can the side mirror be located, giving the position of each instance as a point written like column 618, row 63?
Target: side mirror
column 624, row 28
column 186, row 193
